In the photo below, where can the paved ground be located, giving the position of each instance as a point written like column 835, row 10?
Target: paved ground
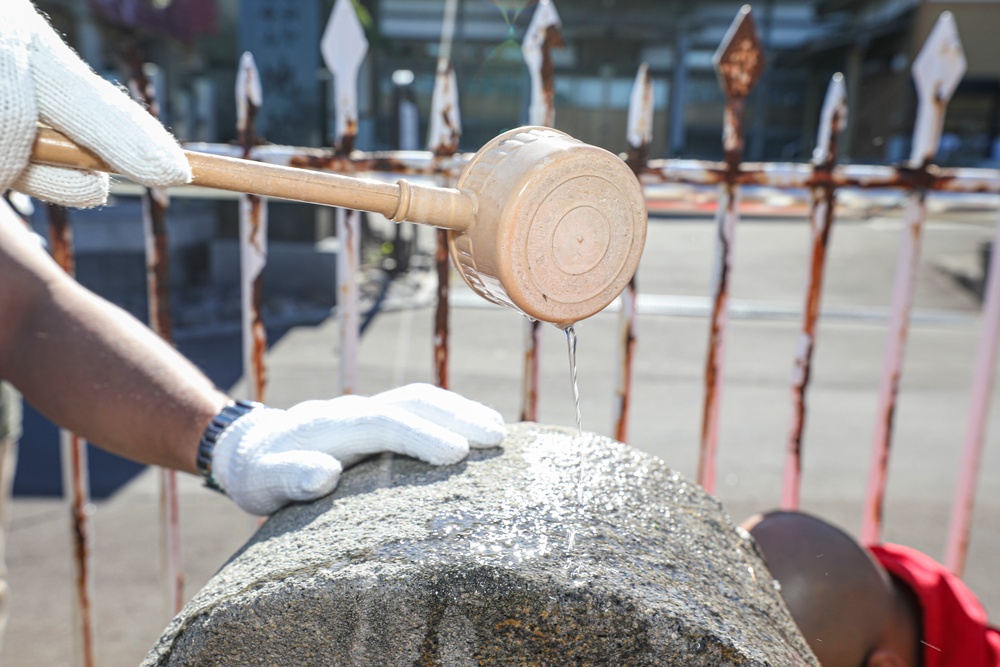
column 486, row 362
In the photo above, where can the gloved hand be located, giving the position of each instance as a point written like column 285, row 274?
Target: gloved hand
column 269, row 457
column 42, row 79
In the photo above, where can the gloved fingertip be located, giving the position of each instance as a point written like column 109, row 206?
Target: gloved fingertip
column 67, row 187
column 490, row 437
column 447, row 457
column 315, row 480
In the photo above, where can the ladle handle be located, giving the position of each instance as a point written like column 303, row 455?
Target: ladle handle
column 440, row 207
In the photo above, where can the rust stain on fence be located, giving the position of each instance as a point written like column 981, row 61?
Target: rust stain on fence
column 553, row 40
column 82, row 545
column 529, row 403
column 449, row 146
column 159, row 267
column 713, row 363
column 61, row 238
column 258, row 332
column 441, row 311
column 345, row 142
column 342, row 162
column 627, row 343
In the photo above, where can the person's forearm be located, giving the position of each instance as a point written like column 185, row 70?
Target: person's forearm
column 94, row 369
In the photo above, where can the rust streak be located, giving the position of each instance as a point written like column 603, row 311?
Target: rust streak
column 346, row 144
column 529, row 409
column 61, row 238
column 159, row 269
column 628, row 345
column 81, row 545
column 442, row 311
column 876, row 508
column 451, row 146
column 732, row 138
column 810, row 318
column 713, row 362
column 637, row 157
column 553, row 40
column 822, row 197
column 258, row 332
column 255, row 236
column 259, row 340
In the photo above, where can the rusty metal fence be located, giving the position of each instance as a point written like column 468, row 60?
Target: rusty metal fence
column 739, row 62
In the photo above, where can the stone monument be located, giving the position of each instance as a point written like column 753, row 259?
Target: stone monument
column 559, row 548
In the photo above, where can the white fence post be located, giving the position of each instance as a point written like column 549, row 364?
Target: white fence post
column 253, row 236
column 739, row 62
column 833, row 119
column 155, row 202
column 344, row 47
column 443, row 135
column 937, row 70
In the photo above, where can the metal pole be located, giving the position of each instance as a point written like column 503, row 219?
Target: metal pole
column 155, row 202
column 76, row 484
column 823, row 201
column 739, row 63
column 543, row 34
column 640, row 134
column 975, row 430
column 253, row 236
column 936, row 72
column 344, row 47
column 443, row 136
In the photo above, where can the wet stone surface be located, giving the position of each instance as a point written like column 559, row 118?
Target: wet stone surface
column 558, row 549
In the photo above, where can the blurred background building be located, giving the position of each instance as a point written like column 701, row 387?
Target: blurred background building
column 194, row 45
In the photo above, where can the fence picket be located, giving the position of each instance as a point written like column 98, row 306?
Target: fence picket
column 253, row 236
column 640, row 134
column 823, row 200
column 443, row 135
column 739, row 62
column 344, row 47
column 76, row 481
column 155, row 203
column 937, row 70
column 541, row 37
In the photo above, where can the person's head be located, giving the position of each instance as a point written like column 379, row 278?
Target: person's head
column 845, row 604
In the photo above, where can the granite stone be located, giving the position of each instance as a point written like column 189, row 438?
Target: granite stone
column 558, row 548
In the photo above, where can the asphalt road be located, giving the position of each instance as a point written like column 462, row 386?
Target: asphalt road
column 767, row 285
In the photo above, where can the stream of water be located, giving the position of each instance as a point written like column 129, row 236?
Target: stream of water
column 571, row 345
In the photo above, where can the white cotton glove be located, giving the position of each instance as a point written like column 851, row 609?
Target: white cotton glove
column 269, row 457
column 42, row 79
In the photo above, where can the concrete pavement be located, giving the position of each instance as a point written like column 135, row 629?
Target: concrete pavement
column 767, row 284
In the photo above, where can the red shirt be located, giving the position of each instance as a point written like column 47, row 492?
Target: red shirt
column 955, row 631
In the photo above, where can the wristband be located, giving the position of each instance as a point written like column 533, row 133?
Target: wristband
column 206, row 446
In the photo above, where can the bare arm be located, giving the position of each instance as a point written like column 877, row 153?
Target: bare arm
column 91, row 367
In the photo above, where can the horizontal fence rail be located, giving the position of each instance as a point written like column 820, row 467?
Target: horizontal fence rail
column 739, row 63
